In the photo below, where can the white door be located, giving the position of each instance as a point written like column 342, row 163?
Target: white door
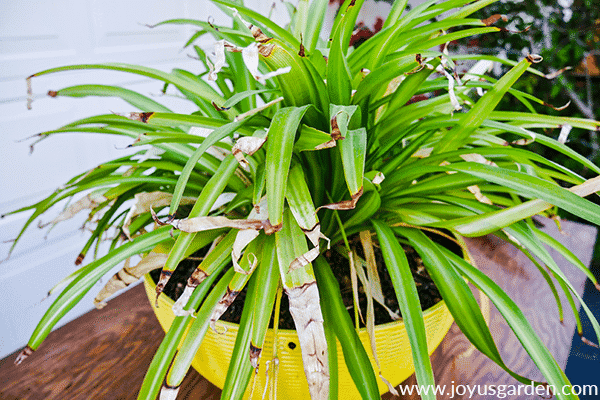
column 35, row 35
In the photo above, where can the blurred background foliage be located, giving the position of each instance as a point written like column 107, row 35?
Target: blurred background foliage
column 567, row 34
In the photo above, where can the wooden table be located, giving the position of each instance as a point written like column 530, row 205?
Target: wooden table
column 104, row 354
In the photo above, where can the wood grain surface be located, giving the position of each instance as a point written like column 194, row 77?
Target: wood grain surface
column 105, row 353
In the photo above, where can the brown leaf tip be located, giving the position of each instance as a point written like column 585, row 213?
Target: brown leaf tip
column 557, row 108
column 301, row 53
column 254, row 356
column 588, row 342
column 266, row 49
column 493, row 19
column 259, row 36
column 162, row 281
column 197, row 277
column 168, row 392
column 218, row 108
column 29, row 92
column 79, row 259
column 271, row 229
column 26, row 352
column 534, row 58
column 170, row 218
column 52, row 93
column 141, row 117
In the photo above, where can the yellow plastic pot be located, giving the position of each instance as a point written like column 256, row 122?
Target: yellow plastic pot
column 393, row 351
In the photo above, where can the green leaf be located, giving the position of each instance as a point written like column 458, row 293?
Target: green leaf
column 75, row 291
column 137, row 100
column 566, row 253
column 281, row 33
column 211, row 191
column 313, row 25
column 264, row 300
column 336, row 316
column 533, row 187
column 458, row 297
column 406, row 291
column 168, row 347
column 517, row 322
column 471, row 120
column 279, row 156
column 291, row 243
column 353, row 151
column 339, row 77
column 199, row 87
column 212, row 138
column 239, row 96
column 239, row 371
column 195, row 335
column 299, row 199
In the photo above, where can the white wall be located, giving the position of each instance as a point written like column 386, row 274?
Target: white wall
column 35, row 35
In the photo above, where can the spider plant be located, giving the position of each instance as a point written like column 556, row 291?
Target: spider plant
column 298, row 143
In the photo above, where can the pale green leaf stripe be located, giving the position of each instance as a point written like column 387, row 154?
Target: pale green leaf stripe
column 339, row 77
column 353, row 150
column 300, row 19
column 137, row 100
column 239, row 280
column 279, row 156
column 518, row 323
column 339, row 81
column 336, row 315
column 410, row 306
column 313, row 25
column 403, row 36
column 113, row 120
column 397, row 9
column 89, row 276
column 259, row 183
column 299, row 199
column 490, row 220
column 454, row 291
column 471, row 120
column 533, row 187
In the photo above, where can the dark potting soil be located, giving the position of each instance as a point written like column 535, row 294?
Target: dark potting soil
column 427, row 291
